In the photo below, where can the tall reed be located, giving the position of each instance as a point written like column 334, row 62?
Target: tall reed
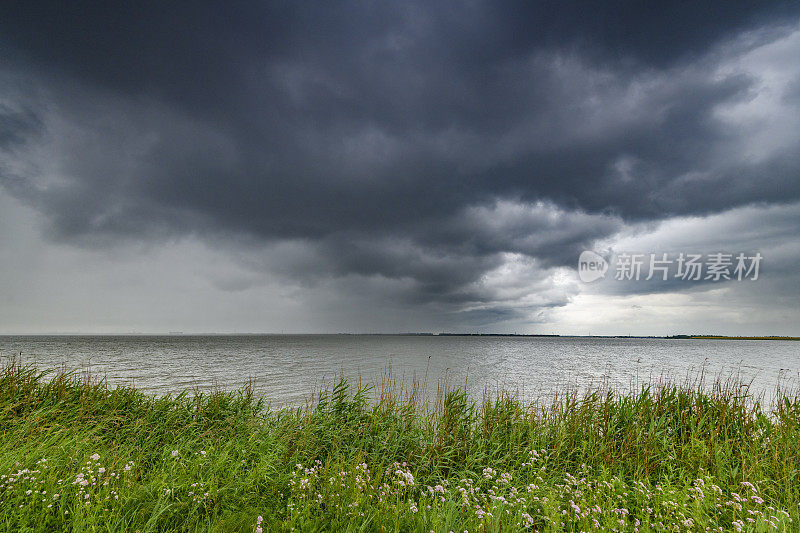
column 690, row 456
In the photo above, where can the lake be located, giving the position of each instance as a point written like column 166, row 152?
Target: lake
column 287, row 369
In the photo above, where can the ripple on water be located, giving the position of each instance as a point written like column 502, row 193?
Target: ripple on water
column 287, row 369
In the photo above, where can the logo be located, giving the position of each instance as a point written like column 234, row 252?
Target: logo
column 716, row 267
column 591, row 266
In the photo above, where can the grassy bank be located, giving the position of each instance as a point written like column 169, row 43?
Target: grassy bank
column 77, row 456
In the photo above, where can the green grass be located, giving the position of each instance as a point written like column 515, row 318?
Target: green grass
column 78, row 456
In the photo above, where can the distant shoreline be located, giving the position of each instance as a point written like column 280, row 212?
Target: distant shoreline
column 725, row 338
column 416, row 334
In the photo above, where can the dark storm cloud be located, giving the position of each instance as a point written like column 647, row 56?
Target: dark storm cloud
column 409, row 141
column 194, row 48
column 16, row 127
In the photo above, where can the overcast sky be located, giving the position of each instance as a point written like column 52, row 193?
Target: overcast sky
column 395, row 166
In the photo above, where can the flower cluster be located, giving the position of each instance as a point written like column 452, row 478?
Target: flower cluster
column 493, row 499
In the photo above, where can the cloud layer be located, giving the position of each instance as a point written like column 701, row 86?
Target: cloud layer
column 451, row 159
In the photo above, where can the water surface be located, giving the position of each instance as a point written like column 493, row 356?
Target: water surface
column 286, row 369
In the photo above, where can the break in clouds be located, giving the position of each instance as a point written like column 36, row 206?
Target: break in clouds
column 396, row 166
